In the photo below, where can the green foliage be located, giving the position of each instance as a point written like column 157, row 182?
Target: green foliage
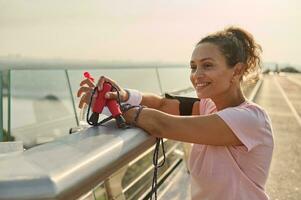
column 289, row 69
column 7, row 137
column 266, row 71
column 5, row 77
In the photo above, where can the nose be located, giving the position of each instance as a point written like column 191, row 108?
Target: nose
column 199, row 72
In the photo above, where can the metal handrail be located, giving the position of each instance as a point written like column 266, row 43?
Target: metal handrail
column 255, row 89
column 72, row 166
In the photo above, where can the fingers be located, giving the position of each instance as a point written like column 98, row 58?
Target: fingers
column 114, row 95
column 84, row 100
column 103, row 79
column 113, row 83
column 100, row 83
column 84, row 90
column 88, row 82
column 111, row 95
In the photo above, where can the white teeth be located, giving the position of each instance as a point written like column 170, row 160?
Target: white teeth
column 202, row 84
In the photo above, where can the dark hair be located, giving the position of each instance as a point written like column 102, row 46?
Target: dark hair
column 237, row 45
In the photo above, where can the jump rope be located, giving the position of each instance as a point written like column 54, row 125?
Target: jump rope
column 116, row 109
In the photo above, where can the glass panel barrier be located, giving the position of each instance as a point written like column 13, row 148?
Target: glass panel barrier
column 1, row 108
column 175, row 79
column 41, row 106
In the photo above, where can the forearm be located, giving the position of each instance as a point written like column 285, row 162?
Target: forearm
column 150, row 120
column 161, row 124
column 151, row 100
column 155, row 122
column 157, row 102
column 210, row 130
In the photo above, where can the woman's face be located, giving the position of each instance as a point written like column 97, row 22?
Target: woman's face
column 210, row 75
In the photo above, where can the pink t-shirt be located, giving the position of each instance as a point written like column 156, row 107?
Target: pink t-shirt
column 234, row 172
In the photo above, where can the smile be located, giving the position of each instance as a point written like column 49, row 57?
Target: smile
column 202, row 85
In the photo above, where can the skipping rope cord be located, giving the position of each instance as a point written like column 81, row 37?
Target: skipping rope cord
column 157, row 147
column 157, row 166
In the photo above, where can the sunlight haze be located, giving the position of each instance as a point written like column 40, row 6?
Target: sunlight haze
column 163, row 31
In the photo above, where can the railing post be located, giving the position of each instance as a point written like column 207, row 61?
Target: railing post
column 9, row 87
column 159, row 80
column 186, row 149
column 113, row 185
column 71, row 95
column 1, row 110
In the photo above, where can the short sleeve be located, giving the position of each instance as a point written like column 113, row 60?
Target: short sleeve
column 207, row 107
column 247, row 123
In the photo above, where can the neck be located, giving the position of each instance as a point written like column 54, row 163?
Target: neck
column 229, row 99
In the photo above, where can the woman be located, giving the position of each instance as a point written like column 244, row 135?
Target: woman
column 232, row 137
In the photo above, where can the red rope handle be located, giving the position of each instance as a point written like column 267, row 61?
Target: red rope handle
column 88, row 76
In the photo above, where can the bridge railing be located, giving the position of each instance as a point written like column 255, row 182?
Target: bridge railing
column 95, row 163
column 39, row 108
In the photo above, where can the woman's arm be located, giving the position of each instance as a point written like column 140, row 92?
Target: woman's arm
column 210, row 129
column 168, row 105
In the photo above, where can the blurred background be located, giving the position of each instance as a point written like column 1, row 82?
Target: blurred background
column 46, row 45
column 133, row 31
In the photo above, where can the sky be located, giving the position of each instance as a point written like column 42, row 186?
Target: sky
column 143, row 30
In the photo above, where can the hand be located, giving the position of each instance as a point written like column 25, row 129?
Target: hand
column 113, row 95
column 87, row 87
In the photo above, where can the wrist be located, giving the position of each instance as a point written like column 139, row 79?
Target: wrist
column 126, row 96
column 132, row 114
column 137, row 115
column 133, row 97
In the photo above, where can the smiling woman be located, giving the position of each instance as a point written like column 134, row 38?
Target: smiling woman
column 220, row 58
column 232, row 137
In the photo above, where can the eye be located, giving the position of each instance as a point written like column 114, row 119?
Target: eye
column 207, row 65
column 193, row 67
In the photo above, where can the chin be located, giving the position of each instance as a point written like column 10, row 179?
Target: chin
column 202, row 96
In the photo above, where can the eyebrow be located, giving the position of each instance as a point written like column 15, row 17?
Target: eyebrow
column 203, row 59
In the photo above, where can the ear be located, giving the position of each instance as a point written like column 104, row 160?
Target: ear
column 239, row 69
